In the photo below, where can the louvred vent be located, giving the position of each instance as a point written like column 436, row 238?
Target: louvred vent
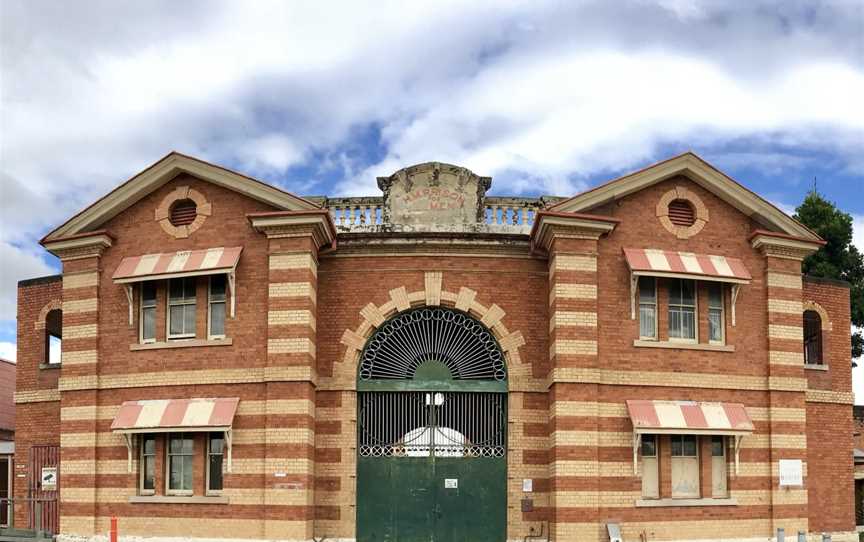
column 681, row 213
column 183, row 212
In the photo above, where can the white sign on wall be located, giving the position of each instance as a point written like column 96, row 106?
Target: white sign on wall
column 49, row 478
column 451, row 483
column 791, row 472
column 528, row 485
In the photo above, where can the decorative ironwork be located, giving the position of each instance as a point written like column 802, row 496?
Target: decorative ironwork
column 441, row 335
column 424, row 424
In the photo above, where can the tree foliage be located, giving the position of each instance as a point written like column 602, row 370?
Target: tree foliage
column 839, row 258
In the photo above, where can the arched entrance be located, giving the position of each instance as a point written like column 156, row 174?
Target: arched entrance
column 432, row 431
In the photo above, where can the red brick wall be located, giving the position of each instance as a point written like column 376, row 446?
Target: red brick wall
column 830, row 429
column 7, row 391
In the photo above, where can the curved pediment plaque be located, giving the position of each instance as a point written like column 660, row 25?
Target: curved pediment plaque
column 434, row 193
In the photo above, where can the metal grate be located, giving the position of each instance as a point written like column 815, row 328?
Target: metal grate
column 183, row 212
column 440, row 424
column 681, row 213
column 447, row 336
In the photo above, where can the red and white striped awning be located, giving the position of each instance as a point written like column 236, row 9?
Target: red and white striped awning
column 186, row 263
column 665, row 263
column 689, row 417
column 164, row 415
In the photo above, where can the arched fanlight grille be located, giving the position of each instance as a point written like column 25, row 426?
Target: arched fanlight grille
column 436, row 334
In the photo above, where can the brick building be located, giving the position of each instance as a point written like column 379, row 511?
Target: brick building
column 7, row 435
column 435, row 363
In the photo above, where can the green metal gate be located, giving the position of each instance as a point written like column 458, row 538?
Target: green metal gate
column 432, row 429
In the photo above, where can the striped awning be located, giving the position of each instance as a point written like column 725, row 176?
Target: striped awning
column 186, row 263
column 165, row 415
column 689, row 417
column 665, row 263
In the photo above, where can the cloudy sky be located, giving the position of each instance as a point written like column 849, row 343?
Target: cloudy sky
column 319, row 98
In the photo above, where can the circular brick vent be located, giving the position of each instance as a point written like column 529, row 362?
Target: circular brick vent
column 681, row 213
column 183, row 212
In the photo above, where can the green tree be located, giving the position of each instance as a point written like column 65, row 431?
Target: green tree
column 839, row 258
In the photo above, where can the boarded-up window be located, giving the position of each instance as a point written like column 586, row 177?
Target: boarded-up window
column 650, row 477
column 685, row 466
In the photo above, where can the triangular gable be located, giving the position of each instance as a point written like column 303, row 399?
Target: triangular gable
column 702, row 173
column 155, row 176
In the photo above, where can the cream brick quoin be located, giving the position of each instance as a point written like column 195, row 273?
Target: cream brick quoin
column 433, row 295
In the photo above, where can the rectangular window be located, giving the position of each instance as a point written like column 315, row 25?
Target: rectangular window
column 148, row 465
column 215, row 454
column 147, row 318
column 650, row 477
column 180, row 455
column 216, row 310
column 716, row 318
column 682, row 310
column 685, row 467
column 647, row 308
column 719, row 487
column 181, row 308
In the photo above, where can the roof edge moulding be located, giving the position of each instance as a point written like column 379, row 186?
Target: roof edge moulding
column 702, row 173
column 163, row 171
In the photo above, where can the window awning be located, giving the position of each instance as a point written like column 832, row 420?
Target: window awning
column 185, row 263
column 650, row 262
column 176, row 415
column 688, row 418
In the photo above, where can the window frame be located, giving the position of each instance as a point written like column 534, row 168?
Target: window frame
column 725, row 462
column 207, row 490
column 669, row 305
column 141, row 308
column 656, row 305
column 656, row 465
column 721, row 308
column 169, row 455
column 141, row 464
column 184, row 302
column 815, row 337
column 210, row 303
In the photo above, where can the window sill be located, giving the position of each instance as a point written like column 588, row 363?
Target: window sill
column 815, row 367
column 649, row 503
column 171, row 499
column 684, row 346
column 49, row 365
column 189, row 343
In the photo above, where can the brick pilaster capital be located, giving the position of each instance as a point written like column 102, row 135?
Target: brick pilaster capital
column 315, row 223
column 780, row 245
column 549, row 225
column 82, row 245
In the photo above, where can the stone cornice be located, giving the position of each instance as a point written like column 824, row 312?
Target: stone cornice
column 315, row 222
column 82, row 245
column 548, row 225
column 780, row 245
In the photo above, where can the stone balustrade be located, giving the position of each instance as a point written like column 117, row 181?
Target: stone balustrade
column 363, row 213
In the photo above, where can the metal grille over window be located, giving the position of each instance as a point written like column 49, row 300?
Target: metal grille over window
column 681, row 213
column 440, row 424
column 183, row 212
column 426, row 335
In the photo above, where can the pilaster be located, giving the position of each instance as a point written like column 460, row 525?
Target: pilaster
column 787, row 383
column 294, row 240
column 571, row 242
column 81, row 258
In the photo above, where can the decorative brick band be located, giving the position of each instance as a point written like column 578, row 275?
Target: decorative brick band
column 37, row 396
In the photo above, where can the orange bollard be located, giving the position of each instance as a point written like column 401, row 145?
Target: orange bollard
column 113, row 535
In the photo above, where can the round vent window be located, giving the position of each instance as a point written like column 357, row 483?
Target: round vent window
column 681, row 213
column 183, row 212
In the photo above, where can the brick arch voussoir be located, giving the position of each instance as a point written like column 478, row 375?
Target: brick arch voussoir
column 373, row 316
column 823, row 314
column 55, row 304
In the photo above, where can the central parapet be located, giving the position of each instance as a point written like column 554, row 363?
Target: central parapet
column 434, row 193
